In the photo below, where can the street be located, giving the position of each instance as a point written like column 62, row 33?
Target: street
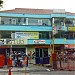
column 34, row 70
column 41, row 73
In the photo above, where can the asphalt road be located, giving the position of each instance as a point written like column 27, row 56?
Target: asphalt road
column 41, row 73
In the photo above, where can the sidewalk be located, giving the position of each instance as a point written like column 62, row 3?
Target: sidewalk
column 21, row 71
column 31, row 67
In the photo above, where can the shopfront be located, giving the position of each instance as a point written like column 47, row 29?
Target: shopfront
column 42, row 56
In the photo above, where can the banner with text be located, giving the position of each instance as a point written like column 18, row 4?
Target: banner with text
column 27, row 35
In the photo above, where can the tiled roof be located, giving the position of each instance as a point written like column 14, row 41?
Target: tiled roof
column 31, row 11
column 28, row 11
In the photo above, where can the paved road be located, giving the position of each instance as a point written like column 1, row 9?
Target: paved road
column 34, row 70
column 43, row 73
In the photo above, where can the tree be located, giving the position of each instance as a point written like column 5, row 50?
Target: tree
column 1, row 2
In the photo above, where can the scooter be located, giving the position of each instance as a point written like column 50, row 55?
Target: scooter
column 18, row 63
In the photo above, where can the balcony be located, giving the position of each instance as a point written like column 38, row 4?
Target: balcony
column 25, row 28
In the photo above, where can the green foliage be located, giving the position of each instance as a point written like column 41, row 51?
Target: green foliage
column 1, row 2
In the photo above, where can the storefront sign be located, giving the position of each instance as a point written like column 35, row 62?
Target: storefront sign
column 70, row 46
column 27, row 35
column 16, row 41
column 4, row 46
column 39, row 41
column 71, row 28
column 2, row 41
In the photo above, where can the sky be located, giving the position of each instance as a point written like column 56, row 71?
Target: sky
column 68, row 5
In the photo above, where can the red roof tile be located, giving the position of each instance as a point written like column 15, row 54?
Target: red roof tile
column 29, row 11
column 32, row 11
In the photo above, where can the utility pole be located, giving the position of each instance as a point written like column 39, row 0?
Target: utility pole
column 54, row 31
column 11, row 46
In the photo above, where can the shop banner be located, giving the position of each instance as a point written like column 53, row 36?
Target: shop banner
column 70, row 46
column 71, row 28
column 27, row 35
column 39, row 42
column 16, row 41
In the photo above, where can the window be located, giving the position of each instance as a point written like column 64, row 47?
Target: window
column 69, row 35
column 60, row 34
column 35, row 21
column 43, row 35
column 32, row 21
column 13, row 21
column 59, row 21
column 46, row 22
column 21, row 21
column 69, row 22
column 45, row 52
column 5, row 20
column 8, row 20
column 40, row 22
column 5, row 34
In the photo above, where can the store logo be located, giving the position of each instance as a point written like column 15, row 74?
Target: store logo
column 39, row 41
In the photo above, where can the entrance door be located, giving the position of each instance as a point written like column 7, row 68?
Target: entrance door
column 41, row 56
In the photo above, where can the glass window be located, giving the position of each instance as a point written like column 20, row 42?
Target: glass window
column 46, row 22
column 32, row 21
column 43, row 35
column 41, row 54
column 45, row 52
column 5, row 34
column 60, row 34
column 5, row 20
column 21, row 21
column 59, row 21
column 69, row 35
column 37, row 52
column 8, row 20
column 69, row 22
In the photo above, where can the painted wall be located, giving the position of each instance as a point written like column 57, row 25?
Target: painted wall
column 26, row 15
column 30, row 48
column 25, row 28
column 38, row 15
column 56, row 41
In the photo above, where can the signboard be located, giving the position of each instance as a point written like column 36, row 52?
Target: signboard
column 71, row 28
column 2, row 41
column 16, row 41
column 39, row 41
column 27, row 35
column 70, row 46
